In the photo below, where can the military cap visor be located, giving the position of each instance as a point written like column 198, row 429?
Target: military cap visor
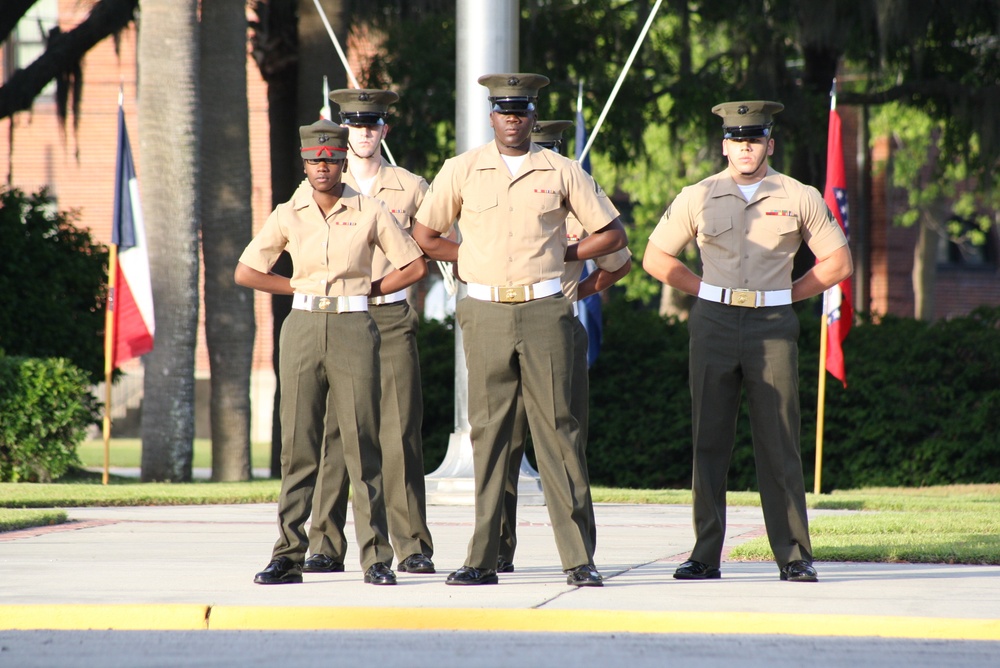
column 361, row 118
column 746, row 131
column 512, row 105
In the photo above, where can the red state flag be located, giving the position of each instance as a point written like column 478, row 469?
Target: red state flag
column 837, row 305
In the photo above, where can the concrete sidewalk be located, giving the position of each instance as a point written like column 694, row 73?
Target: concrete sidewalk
column 192, row 567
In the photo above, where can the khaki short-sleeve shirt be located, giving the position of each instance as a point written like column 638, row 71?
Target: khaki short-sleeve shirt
column 573, row 270
column 748, row 245
column 402, row 191
column 513, row 227
column 332, row 254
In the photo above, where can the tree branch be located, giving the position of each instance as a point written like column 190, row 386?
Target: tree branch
column 106, row 18
column 13, row 11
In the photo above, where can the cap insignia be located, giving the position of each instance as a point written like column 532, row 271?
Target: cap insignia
column 513, row 81
column 743, row 109
column 323, row 138
column 364, row 97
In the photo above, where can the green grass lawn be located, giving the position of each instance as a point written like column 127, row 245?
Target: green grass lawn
column 950, row 524
column 127, row 452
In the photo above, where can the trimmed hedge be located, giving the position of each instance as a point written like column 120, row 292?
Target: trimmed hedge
column 45, row 410
column 922, row 406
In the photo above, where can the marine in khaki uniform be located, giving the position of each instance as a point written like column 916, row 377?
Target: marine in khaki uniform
column 329, row 345
column 748, row 221
column 365, row 112
column 511, row 200
column 609, row 270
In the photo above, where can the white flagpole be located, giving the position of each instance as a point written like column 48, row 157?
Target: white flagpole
column 621, row 78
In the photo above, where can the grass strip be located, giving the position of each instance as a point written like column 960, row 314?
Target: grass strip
column 14, row 519
column 127, row 452
column 134, row 493
column 953, row 537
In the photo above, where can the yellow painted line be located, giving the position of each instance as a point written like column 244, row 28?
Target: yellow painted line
column 194, row 617
column 83, row 617
column 598, row 621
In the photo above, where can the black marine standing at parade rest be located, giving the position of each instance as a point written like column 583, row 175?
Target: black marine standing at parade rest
column 364, row 112
column 511, row 199
column 748, row 222
column 607, row 270
column 329, row 344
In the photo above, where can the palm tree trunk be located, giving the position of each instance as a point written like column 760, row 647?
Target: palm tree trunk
column 924, row 272
column 226, row 229
column 168, row 140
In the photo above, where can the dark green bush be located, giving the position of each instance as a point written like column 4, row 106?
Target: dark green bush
column 45, row 410
column 53, row 283
column 922, row 406
column 436, row 342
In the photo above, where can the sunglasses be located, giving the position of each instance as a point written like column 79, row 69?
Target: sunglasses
column 327, row 161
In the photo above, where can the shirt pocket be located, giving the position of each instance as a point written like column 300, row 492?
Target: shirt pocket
column 546, row 206
column 479, row 203
column 783, row 236
column 716, row 235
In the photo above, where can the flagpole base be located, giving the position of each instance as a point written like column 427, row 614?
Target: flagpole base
column 454, row 484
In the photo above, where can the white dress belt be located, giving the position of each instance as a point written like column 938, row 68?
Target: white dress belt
column 325, row 304
column 515, row 294
column 397, row 296
column 747, row 298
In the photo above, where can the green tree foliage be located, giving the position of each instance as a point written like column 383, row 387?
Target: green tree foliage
column 939, row 189
column 45, row 410
column 422, row 135
column 53, row 283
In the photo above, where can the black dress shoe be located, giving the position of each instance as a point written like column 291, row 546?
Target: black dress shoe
column 467, row 575
column 416, row 563
column 380, row 574
column 695, row 570
column 799, row 571
column 584, row 576
column 280, row 571
column 320, row 563
column 504, row 566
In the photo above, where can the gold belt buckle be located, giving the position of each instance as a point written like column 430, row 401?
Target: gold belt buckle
column 512, row 295
column 322, row 304
column 741, row 297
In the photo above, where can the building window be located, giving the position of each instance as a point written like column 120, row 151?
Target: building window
column 27, row 41
column 965, row 245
